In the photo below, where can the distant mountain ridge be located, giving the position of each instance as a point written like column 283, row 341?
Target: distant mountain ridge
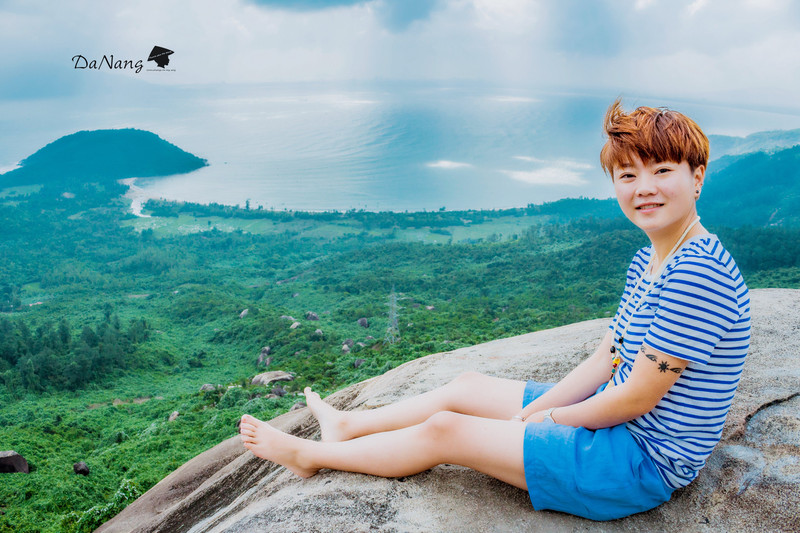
column 103, row 155
column 762, row 141
column 756, row 189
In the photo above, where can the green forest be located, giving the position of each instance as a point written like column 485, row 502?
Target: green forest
column 111, row 323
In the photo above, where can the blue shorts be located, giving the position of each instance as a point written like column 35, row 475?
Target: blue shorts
column 601, row 475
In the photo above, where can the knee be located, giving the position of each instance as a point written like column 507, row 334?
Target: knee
column 469, row 379
column 441, row 424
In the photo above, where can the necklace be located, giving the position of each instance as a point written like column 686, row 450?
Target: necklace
column 616, row 349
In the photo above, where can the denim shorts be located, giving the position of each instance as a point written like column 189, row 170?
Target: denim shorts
column 601, row 475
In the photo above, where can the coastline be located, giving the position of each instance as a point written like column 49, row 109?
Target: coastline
column 136, row 195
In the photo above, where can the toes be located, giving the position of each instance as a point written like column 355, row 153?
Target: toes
column 247, row 419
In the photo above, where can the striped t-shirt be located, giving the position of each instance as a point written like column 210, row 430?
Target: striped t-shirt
column 698, row 311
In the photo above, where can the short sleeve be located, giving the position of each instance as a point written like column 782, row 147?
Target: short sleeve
column 697, row 306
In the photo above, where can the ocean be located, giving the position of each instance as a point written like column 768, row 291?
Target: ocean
column 398, row 147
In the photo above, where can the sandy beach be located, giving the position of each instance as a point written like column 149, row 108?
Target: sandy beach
column 136, row 195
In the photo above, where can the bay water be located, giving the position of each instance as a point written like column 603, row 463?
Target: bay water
column 398, row 147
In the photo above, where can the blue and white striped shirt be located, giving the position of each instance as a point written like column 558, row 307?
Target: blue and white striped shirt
column 698, row 311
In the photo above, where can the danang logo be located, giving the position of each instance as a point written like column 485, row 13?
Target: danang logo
column 159, row 55
column 80, row 62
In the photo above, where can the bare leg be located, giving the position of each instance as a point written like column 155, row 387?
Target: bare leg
column 494, row 447
column 471, row 393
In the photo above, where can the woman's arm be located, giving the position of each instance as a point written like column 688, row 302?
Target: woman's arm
column 579, row 384
column 652, row 375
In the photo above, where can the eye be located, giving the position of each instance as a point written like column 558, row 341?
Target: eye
column 663, row 170
column 625, row 176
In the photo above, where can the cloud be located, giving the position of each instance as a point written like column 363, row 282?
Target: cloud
column 696, row 6
column 447, row 164
column 514, row 99
column 529, row 159
column 550, row 172
column 306, row 5
column 556, row 175
column 641, row 47
column 396, row 15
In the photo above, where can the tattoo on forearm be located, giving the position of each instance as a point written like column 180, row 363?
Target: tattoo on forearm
column 663, row 366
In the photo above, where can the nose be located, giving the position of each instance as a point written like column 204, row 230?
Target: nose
column 646, row 185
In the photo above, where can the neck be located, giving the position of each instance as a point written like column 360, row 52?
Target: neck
column 664, row 242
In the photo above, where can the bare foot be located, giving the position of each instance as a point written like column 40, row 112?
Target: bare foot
column 331, row 421
column 274, row 445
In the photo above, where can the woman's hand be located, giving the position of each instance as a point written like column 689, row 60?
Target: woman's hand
column 522, row 416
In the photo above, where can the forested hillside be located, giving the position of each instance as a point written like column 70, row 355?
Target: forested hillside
column 102, row 155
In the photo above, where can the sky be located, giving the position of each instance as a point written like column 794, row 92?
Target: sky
column 730, row 51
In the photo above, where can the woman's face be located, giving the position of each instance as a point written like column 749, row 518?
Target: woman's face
column 659, row 197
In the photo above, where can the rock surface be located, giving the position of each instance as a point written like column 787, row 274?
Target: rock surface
column 751, row 483
column 265, row 378
column 80, row 468
column 263, row 357
column 12, row 462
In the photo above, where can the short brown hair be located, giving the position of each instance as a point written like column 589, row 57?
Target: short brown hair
column 653, row 135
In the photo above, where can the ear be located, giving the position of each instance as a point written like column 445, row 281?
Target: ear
column 699, row 176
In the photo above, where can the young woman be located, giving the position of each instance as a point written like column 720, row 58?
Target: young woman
column 627, row 426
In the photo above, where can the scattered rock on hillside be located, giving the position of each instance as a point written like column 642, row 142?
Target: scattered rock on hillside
column 262, row 357
column 369, row 338
column 287, row 317
column 363, row 322
column 80, row 468
column 294, row 325
column 361, row 344
column 244, row 313
column 318, row 333
column 173, row 416
column 349, row 343
column 207, row 387
column 311, row 315
column 358, row 362
column 430, row 307
column 277, row 390
column 298, row 405
column 345, row 348
column 266, row 378
column 11, row 462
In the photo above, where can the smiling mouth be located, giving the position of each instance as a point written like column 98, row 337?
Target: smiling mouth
column 648, row 206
